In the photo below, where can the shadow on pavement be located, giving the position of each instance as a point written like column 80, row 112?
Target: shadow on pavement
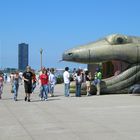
column 44, row 101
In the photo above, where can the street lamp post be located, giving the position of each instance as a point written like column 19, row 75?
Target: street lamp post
column 41, row 51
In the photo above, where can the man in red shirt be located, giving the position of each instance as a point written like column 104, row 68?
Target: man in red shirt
column 44, row 80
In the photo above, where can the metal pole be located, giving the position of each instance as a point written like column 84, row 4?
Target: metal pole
column 41, row 51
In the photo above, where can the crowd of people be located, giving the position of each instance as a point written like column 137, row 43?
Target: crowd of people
column 81, row 76
column 47, row 81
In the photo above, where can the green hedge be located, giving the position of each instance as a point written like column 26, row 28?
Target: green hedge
column 59, row 80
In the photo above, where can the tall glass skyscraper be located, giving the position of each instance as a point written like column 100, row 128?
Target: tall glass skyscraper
column 22, row 56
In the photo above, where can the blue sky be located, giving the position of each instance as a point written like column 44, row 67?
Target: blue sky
column 58, row 25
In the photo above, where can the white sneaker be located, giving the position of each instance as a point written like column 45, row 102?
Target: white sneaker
column 46, row 99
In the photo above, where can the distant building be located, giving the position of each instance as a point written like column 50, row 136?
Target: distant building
column 22, row 56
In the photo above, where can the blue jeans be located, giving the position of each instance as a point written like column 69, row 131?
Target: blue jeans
column 78, row 90
column 15, row 89
column 67, row 90
column 44, row 91
column 51, row 88
column 1, row 88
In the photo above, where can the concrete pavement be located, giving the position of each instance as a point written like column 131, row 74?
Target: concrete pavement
column 107, row 117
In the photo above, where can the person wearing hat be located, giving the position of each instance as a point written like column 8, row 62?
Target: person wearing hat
column 27, row 77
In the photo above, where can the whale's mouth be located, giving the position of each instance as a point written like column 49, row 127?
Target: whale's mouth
column 114, row 68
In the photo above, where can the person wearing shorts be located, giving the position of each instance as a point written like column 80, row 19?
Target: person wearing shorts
column 88, row 83
column 27, row 77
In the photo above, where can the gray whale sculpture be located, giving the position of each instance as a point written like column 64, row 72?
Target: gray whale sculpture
column 113, row 47
column 134, row 89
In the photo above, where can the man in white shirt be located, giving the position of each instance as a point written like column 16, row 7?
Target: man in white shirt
column 66, row 77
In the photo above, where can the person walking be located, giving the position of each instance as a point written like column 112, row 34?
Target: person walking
column 12, row 82
column 16, row 79
column 27, row 77
column 52, row 82
column 66, row 77
column 44, row 80
column 1, row 84
column 48, row 73
column 34, row 80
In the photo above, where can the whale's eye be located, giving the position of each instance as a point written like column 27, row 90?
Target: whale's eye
column 118, row 39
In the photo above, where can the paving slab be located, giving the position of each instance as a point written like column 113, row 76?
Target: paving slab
column 105, row 117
